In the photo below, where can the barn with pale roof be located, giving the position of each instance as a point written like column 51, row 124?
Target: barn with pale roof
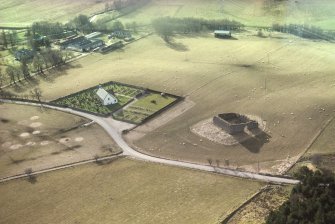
column 105, row 97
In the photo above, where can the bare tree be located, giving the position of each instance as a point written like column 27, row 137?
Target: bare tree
column 217, row 163
column 36, row 94
column 29, row 173
column 10, row 70
column 226, row 161
column 38, row 64
column 210, row 161
column 24, row 69
column 2, row 78
column 96, row 158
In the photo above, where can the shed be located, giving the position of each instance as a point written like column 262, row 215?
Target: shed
column 222, row 33
column 105, row 97
column 93, row 35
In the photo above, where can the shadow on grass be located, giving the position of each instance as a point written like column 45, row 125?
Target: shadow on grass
column 253, row 141
column 177, row 46
column 105, row 162
column 32, row 179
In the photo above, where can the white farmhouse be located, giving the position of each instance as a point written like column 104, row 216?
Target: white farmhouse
column 105, row 97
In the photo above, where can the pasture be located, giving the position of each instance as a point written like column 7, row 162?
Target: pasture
column 144, row 107
column 25, row 12
column 321, row 154
column 38, row 138
column 123, row 191
column 259, row 208
column 285, row 80
column 250, row 13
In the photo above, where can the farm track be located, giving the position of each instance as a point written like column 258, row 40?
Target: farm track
column 116, row 135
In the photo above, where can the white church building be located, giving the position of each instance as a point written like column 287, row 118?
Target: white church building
column 106, row 98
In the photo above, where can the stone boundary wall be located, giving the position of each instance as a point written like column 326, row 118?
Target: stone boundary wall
column 223, row 121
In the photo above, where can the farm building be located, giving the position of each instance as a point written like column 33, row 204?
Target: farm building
column 105, row 97
column 23, row 54
column 222, row 34
column 111, row 47
column 81, row 44
column 121, row 34
column 93, row 35
column 85, row 45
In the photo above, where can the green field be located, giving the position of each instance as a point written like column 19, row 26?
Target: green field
column 25, row 12
column 37, row 138
column 89, row 101
column 250, row 13
column 144, row 107
column 253, row 13
column 124, row 191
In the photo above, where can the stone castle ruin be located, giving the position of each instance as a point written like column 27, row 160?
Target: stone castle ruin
column 234, row 123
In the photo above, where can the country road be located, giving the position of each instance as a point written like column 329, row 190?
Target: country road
column 116, row 134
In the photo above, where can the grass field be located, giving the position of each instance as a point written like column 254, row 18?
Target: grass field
column 325, row 144
column 145, row 106
column 259, row 208
column 124, row 191
column 221, row 76
column 257, row 12
column 24, row 12
column 37, row 138
column 322, row 152
column 250, row 13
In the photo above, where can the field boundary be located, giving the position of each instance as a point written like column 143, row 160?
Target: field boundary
column 231, row 215
column 310, row 144
column 61, row 167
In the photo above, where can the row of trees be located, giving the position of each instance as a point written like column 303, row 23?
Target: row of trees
column 304, row 31
column 52, row 30
column 167, row 26
column 44, row 59
column 9, row 39
column 121, row 4
column 311, row 201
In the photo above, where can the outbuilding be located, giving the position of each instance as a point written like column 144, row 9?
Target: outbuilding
column 222, row 34
column 105, row 97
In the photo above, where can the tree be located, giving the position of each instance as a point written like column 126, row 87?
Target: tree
column 117, row 25
column 311, row 201
column 12, row 73
column 134, row 26
column 29, row 174
column 82, row 23
column 24, row 69
column 38, row 64
column 2, row 79
column 4, row 39
column 36, row 94
column 210, row 161
column 164, row 29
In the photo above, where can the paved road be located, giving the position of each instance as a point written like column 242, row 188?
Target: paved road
column 115, row 133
